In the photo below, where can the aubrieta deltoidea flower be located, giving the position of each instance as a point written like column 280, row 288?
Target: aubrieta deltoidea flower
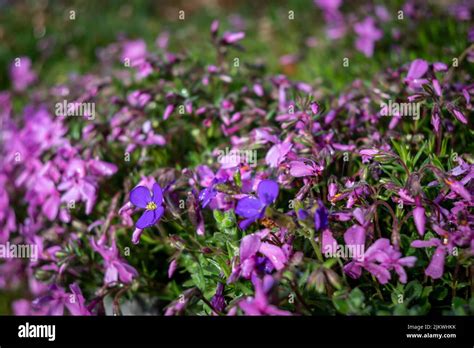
column 152, row 202
column 253, row 208
column 364, row 201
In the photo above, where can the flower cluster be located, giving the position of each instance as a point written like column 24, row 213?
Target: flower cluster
column 139, row 200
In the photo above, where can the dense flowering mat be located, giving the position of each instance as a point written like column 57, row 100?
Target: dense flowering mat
column 159, row 184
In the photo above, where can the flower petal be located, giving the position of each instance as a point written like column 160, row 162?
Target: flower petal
column 140, row 196
column 244, row 224
column 355, row 235
column 136, row 235
column 249, row 246
column 276, row 256
column 147, row 219
column 249, row 207
column 267, row 191
column 417, row 69
column 157, row 194
column 329, row 244
column 321, row 218
column 380, row 272
column 425, row 243
column 436, row 267
column 299, row 169
column 420, row 219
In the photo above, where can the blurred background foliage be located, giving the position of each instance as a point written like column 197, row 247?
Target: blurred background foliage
column 58, row 46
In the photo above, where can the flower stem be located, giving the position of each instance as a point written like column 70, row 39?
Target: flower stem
column 316, row 247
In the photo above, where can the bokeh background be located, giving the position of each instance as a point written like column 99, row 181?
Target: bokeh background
column 301, row 49
column 58, row 46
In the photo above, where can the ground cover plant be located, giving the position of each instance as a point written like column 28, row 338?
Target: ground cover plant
column 311, row 158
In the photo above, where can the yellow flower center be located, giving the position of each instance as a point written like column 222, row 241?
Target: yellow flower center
column 151, row 206
column 448, row 182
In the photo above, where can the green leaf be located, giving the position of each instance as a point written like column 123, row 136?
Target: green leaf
column 413, row 290
column 417, row 156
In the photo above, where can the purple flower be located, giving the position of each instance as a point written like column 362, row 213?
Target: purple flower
column 321, row 217
column 209, row 193
column 391, row 258
column 458, row 114
column 214, row 27
column 56, row 299
column 218, row 301
column 378, row 259
column 417, row 69
column 231, row 38
column 259, row 304
column 305, row 167
column 251, row 247
column 444, row 245
column 76, row 302
column 168, row 111
column 80, row 181
column 458, row 188
column 367, row 35
column 435, row 118
column 172, row 268
column 116, row 269
column 258, row 89
column 368, row 154
column 141, row 198
column 277, row 154
column 134, row 51
column 138, row 99
column 314, row 108
column 253, row 208
column 21, row 74
column 328, row 243
column 419, row 217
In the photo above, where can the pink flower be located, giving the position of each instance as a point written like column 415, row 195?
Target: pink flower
column 21, row 73
column 417, row 70
column 259, row 304
column 367, row 35
column 277, row 154
column 231, row 38
column 304, row 167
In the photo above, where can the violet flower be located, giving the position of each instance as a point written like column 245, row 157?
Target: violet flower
column 253, row 208
column 419, row 217
column 445, row 244
column 378, row 259
column 140, row 197
column 321, row 217
column 218, row 301
column 458, row 188
column 209, row 193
